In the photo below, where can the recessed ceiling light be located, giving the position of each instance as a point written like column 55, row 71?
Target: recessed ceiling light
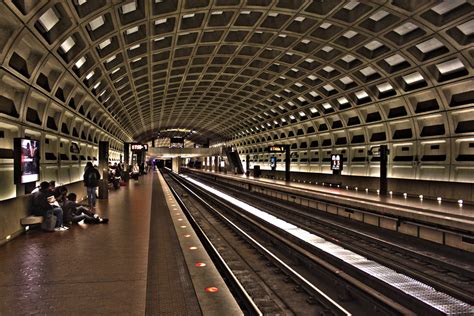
column 413, row 78
column 96, row 23
column 80, row 62
column 160, row 21
column 105, row 43
column 361, row 94
column 132, row 30
column 379, row 15
column 90, row 74
column 351, row 5
column 406, row 28
column 67, row 44
column 129, row 7
column 326, row 106
column 48, row 20
column 450, row 66
column 111, row 58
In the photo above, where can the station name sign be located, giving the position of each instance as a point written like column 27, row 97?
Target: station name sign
column 277, row 148
column 139, row 147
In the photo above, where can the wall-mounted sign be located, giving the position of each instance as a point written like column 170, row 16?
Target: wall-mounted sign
column 139, row 147
column 336, row 162
column 277, row 148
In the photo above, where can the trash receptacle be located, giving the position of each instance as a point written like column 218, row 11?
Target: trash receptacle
column 256, row 171
column 103, row 189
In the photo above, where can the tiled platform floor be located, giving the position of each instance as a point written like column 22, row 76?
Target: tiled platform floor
column 94, row 269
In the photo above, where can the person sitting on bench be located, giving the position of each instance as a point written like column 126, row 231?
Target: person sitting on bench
column 75, row 212
column 43, row 204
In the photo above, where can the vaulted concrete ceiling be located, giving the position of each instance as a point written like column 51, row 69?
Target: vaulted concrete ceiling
column 231, row 68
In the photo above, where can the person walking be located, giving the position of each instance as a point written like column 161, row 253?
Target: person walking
column 91, row 182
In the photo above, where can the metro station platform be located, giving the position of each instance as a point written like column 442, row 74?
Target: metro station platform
column 425, row 218
column 143, row 262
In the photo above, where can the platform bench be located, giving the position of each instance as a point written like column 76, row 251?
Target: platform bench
column 31, row 220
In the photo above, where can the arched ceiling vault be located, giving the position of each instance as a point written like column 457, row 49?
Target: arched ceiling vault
column 232, row 68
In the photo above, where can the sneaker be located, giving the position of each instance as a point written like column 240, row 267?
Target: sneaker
column 64, row 227
column 89, row 220
column 60, row 229
column 104, row 220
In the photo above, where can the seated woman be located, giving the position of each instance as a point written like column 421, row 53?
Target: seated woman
column 75, row 212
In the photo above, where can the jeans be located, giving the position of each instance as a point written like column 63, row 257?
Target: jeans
column 58, row 212
column 91, row 196
column 88, row 219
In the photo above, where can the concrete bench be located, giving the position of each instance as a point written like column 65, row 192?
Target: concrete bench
column 31, row 220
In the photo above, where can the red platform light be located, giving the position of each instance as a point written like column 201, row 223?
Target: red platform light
column 211, row 289
column 200, row 264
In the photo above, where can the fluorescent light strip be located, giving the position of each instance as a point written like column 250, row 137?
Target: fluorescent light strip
column 425, row 293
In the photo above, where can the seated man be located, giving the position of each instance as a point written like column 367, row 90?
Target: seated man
column 75, row 212
column 44, row 204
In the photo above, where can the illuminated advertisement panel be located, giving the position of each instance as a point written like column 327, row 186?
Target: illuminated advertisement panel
column 27, row 160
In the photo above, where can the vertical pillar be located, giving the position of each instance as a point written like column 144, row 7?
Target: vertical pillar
column 216, row 163
column 247, row 165
column 287, row 163
column 103, row 169
column 176, row 164
column 383, row 169
column 153, row 142
column 126, row 160
column 126, row 154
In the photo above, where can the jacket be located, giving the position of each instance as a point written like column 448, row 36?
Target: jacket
column 40, row 205
column 87, row 177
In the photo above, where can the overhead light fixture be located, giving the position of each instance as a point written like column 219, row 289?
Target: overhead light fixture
column 96, row 23
column 80, row 62
column 129, row 7
column 67, row 44
column 48, row 20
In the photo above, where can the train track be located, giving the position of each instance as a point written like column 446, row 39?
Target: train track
column 321, row 287
column 273, row 291
column 433, row 268
column 374, row 248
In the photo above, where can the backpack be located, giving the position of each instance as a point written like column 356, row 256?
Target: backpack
column 49, row 222
column 92, row 178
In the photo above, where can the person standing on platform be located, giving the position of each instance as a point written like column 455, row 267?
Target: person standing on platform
column 91, row 182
